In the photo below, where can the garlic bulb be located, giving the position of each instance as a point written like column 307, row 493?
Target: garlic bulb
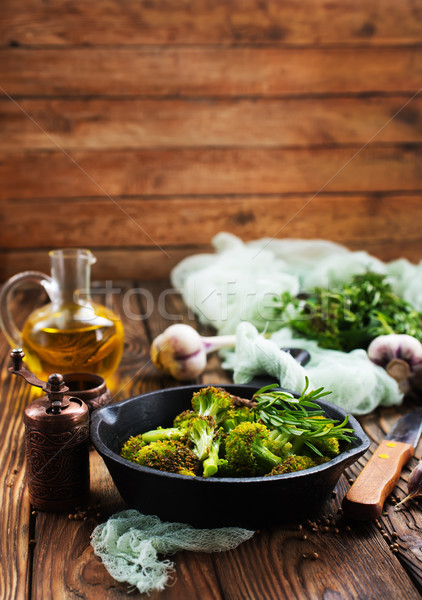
column 414, row 485
column 385, row 348
column 181, row 351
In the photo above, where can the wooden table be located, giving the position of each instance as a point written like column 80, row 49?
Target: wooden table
column 48, row 556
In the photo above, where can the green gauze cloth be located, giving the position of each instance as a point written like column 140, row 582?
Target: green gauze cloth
column 129, row 542
column 358, row 385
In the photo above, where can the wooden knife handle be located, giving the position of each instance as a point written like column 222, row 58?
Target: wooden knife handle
column 377, row 480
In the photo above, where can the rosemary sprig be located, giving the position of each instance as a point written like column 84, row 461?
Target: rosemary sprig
column 290, row 416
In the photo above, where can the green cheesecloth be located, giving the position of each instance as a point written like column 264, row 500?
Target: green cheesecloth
column 129, row 544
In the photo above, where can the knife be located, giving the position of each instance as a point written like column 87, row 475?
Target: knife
column 365, row 498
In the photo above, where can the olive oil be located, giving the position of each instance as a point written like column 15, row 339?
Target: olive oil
column 70, row 334
column 73, row 339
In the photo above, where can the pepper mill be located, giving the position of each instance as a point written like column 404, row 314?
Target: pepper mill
column 56, row 443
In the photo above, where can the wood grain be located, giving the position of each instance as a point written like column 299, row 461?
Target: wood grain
column 207, row 172
column 348, row 219
column 339, row 571
column 211, row 108
column 153, row 264
column 398, row 527
column 201, row 22
column 111, row 123
column 16, row 525
column 209, row 71
column 148, row 263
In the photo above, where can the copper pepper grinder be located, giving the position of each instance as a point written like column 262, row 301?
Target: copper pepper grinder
column 56, row 443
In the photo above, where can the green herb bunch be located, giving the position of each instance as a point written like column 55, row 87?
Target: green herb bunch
column 350, row 317
column 290, row 417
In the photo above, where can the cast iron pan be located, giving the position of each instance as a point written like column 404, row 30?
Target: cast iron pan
column 212, row 502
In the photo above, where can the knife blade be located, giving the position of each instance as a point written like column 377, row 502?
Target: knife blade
column 365, row 498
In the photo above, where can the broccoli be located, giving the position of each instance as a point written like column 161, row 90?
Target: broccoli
column 296, row 463
column 163, row 433
column 182, row 419
column 278, row 443
column 212, row 402
column 131, row 448
column 200, row 431
column 214, row 462
column 327, row 446
column 246, row 452
column 191, row 428
column 168, row 455
column 236, row 415
column 292, row 443
column 297, row 443
column 275, row 433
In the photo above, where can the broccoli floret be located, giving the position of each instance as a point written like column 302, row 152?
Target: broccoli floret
column 201, row 431
column 183, row 418
column 278, row 443
column 293, row 463
column 212, row 402
column 298, row 444
column 297, row 463
column 236, row 415
column 214, row 462
column 286, row 443
column 131, row 448
column 246, row 453
column 327, row 446
column 169, row 455
column 189, row 428
column 162, row 433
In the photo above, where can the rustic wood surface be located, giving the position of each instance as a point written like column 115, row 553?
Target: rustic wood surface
column 207, row 71
column 120, row 123
column 355, row 220
column 240, row 171
column 48, row 556
column 125, row 22
column 165, row 122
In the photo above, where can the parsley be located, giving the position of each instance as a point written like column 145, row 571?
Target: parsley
column 350, row 317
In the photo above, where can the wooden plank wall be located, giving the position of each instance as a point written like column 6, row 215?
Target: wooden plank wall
column 141, row 128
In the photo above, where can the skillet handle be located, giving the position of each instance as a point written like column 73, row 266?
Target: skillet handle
column 299, row 354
